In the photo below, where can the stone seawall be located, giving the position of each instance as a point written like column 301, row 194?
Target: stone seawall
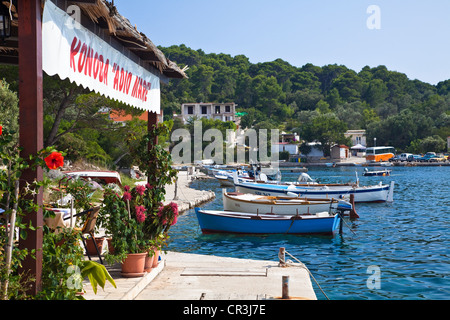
column 186, row 197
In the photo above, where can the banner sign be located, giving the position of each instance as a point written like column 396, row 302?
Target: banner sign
column 72, row 51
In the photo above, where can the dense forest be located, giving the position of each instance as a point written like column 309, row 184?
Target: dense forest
column 320, row 103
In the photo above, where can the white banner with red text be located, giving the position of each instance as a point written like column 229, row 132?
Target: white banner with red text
column 72, row 51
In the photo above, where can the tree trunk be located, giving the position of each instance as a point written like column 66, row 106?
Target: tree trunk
column 65, row 103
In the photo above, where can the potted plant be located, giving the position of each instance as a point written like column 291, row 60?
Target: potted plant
column 156, row 163
column 125, row 228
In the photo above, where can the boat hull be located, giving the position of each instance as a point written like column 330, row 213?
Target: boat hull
column 280, row 205
column 224, row 181
column 384, row 173
column 361, row 194
column 246, row 223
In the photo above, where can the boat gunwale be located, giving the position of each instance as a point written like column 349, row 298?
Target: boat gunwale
column 308, row 201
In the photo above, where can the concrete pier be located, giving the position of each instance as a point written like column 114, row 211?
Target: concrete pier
column 203, row 277
column 188, row 198
column 185, row 276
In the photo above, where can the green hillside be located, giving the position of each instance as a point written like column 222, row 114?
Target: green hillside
column 408, row 114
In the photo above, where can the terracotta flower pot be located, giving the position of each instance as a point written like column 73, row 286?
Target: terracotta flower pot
column 91, row 248
column 133, row 265
column 148, row 262
column 110, row 246
column 155, row 259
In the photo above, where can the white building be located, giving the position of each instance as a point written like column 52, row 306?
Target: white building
column 219, row 111
column 285, row 146
column 357, row 137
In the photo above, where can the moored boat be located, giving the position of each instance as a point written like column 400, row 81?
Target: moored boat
column 382, row 173
column 103, row 176
column 374, row 193
column 252, row 203
column 212, row 221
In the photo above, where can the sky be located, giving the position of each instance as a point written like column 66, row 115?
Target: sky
column 408, row 36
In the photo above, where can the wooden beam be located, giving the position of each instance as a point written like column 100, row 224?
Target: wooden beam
column 31, row 124
column 151, row 123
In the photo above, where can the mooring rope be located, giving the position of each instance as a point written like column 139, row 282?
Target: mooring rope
column 302, row 265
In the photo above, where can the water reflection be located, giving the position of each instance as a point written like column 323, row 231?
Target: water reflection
column 408, row 239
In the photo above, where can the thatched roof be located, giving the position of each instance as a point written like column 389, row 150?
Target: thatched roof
column 105, row 15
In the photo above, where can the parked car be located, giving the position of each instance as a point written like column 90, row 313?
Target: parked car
column 405, row 156
column 394, row 159
column 437, row 159
column 431, row 158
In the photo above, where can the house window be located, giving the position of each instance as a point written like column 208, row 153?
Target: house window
column 190, row 110
column 227, row 109
column 217, row 109
column 204, row 110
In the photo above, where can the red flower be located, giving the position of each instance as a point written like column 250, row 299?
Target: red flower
column 140, row 189
column 140, row 213
column 1, row 130
column 54, row 160
column 126, row 196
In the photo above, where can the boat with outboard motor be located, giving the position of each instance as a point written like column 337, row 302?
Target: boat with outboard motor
column 252, row 203
column 214, row 221
column 373, row 193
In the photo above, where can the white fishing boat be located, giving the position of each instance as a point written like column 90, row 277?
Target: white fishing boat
column 252, row 203
column 224, row 180
column 103, row 176
column 379, row 173
column 225, row 177
column 374, row 193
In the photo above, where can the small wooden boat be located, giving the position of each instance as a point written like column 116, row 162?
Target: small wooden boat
column 223, row 180
column 211, row 221
column 374, row 193
column 382, row 173
column 252, row 203
column 103, row 176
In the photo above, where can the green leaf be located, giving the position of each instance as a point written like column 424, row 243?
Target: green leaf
column 97, row 275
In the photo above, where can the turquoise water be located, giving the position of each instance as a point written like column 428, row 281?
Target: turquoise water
column 406, row 241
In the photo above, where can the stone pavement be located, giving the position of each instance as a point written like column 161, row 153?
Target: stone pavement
column 184, row 276
column 127, row 288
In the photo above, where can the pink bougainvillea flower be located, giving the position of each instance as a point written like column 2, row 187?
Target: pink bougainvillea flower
column 140, row 189
column 126, row 196
column 54, row 160
column 174, row 221
column 160, row 211
column 174, row 208
column 140, row 213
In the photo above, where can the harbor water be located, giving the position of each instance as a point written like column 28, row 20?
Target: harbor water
column 397, row 250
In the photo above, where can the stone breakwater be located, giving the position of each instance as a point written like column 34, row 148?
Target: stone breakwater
column 186, row 197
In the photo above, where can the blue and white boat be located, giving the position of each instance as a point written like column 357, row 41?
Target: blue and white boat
column 374, row 193
column 212, row 221
column 380, row 173
column 252, row 203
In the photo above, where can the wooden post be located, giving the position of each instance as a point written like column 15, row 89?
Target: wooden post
column 31, row 123
column 152, row 122
column 282, row 257
column 353, row 214
column 285, row 288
